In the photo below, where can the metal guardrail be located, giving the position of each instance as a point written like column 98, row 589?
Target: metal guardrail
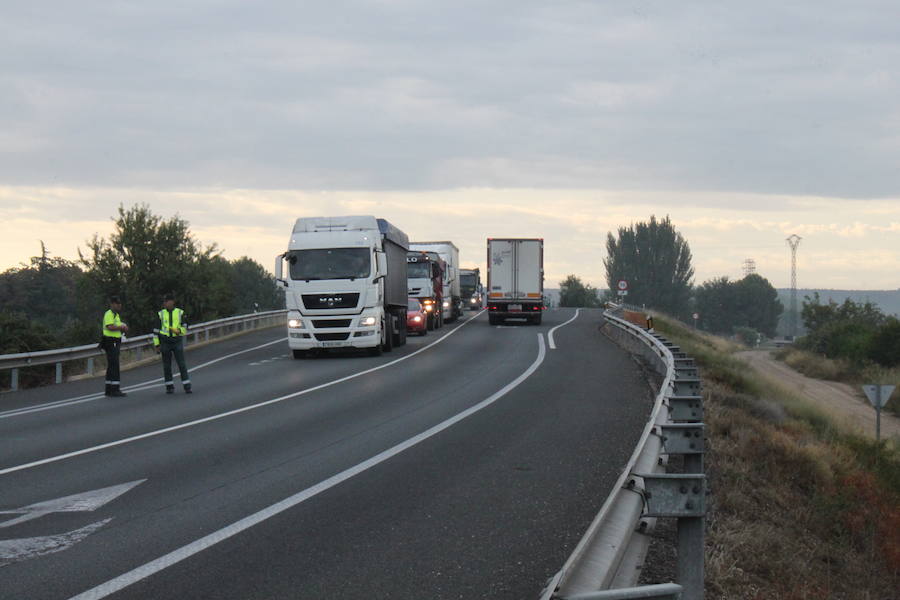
column 14, row 362
column 606, row 562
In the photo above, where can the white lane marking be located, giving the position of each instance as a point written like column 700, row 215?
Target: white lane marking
column 81, row 502
column 24, row 548
column 236, row 411
column 122, row 581
column 133, row 388
column 550, row 333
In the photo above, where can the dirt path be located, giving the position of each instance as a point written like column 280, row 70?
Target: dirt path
column 839, row 399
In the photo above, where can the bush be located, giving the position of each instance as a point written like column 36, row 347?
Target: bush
column 884, row 346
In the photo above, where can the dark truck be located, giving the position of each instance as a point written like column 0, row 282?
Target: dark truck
column 470, row 289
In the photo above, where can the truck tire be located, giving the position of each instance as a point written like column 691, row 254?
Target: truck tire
column 387, row 328
column 536, row 319
column 430, row 322
column 493, row 320
column 400, row 327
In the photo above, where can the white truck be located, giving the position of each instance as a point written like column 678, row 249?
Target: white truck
column 345, row 284
column 452, row 302
column 515, row 279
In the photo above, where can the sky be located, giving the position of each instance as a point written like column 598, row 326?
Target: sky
column 743, row 122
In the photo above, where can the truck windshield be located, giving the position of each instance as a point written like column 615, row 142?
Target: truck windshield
column 416, row 270
column 330, row 263
column 468, row 280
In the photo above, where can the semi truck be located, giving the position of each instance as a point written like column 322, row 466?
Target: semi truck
column 345, row 284
column 470, row 288
column 425, row 281
column 449, row 253
column 515, row 279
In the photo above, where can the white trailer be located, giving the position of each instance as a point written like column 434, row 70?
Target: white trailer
column 345, row 284
column 515, row 279
column 450, row 254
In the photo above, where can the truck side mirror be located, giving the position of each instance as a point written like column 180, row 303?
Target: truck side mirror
column 380, row 264
column 279, row 269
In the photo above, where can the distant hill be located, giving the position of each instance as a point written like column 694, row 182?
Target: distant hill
column 887, row 300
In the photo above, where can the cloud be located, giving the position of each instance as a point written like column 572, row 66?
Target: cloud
column 766, row 97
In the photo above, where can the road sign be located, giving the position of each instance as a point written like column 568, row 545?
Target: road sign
column 878, row 395
column 622, row 284
column 696, row 316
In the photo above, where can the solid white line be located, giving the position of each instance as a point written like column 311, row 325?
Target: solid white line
column 132, row 388
column 236, row 411
column 550, row 334
column 157, row 565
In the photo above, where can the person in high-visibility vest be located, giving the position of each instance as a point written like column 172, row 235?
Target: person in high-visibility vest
column 110, row 342
column 169, row 340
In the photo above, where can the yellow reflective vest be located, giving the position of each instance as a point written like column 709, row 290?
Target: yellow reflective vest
column 171, row 324
column 111, row 318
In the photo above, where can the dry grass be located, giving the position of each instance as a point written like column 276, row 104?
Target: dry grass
column 820, row 367
column 799, row 508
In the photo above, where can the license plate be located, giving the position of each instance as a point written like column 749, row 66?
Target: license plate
column 334, row 344
column 514, row 307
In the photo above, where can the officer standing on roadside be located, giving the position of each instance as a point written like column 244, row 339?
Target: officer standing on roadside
column 169, row 340
column 113, row 328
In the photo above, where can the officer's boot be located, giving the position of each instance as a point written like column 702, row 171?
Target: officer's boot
column 170, row 388
column 117, row 391
column 187, row 389
column 108, row 391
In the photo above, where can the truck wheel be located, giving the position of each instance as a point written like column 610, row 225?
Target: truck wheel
column 536, row 319
column 429, row 322
column 493, row 320
column 387, row 328
column 400, row 340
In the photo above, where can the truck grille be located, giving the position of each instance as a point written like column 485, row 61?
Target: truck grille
column 332, row 337
column 326, row 323
column 321, row 301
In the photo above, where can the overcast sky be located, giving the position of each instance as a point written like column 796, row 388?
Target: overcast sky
column 745, row 122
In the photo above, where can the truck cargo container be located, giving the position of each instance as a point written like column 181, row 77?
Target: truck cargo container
column 515, row 279
column 345, row 284
column 452, row 303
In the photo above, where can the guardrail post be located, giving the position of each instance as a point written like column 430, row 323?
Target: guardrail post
column 138, row 352
column 90, row 366
column 206, row 335
column 59, row 372
column 14, row 380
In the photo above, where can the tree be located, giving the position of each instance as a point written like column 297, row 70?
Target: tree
column 253, row 287
column 656, row 261
column 146, row 257
column 714, row 302
column 756, row 304
column 841, row 330
column 572, row 292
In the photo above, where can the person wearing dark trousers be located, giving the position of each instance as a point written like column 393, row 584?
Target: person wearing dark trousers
column 113, row 328
column 169, row 340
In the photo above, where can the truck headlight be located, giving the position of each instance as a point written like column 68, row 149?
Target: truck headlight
column 295, row 323
column 367, row 321
column 446, row 304
column 472, row 300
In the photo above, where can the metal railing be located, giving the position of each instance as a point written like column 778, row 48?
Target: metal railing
column 606, row 562
column 134, row 346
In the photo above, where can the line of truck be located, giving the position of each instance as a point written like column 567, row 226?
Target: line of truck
column 349, row 280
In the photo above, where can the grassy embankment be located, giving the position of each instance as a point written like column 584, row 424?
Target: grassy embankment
column 799, row 508
column 813, row 365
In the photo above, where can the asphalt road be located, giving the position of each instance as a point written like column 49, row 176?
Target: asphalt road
column 466, row 464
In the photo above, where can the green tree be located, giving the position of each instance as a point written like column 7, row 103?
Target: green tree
column 656, row 261
column 757, row 305
column 842, row 330
column 253, row 288
column 714, row 302
column 145, row 257
column 884, row 347
column 572, row 292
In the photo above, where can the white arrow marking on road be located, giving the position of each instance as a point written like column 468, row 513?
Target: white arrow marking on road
column 22, row 549
column 83, row 502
